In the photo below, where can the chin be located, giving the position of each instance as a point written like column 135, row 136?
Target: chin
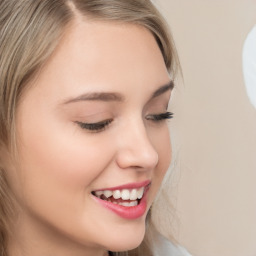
column 127, row 240
column 127, row 245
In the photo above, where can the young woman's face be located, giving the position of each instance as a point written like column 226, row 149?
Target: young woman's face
column 91, row 123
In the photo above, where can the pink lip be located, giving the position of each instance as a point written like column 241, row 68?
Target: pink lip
column 128, row 186
column 130, row 212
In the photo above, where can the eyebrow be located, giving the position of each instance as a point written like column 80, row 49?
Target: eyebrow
column 163, row 89
column 113, row 96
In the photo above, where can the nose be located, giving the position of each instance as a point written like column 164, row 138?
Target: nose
column 136, row 149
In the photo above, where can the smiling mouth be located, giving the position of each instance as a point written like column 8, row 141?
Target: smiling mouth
column 123, row 197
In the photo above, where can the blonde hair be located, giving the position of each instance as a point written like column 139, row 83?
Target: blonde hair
column 30, row 30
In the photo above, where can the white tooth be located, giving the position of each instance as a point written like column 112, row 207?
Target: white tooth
column 128, row 204
column 98, row 193
column 140, row 193
column 125, row 194
column 133, row 194
column 107, row 193
column 133, row 203
column 116, row 194
column 125, row 204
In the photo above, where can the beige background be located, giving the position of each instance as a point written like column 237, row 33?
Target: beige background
column 214, row 190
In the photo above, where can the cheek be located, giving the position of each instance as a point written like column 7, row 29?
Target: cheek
column 57, row 174
column 58, row 162
column 162, row 144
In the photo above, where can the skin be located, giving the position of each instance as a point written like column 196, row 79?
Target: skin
column 60, row 163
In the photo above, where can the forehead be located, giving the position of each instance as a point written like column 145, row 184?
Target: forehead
column 105, row 54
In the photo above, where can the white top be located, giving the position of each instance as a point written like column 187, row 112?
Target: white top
column 164, row 247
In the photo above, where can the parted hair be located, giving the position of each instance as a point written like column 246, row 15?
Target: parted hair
column 30, row 30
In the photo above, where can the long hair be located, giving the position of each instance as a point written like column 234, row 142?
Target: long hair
column 30, row 30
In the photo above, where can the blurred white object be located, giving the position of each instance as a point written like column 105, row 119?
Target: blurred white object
column 249, row 65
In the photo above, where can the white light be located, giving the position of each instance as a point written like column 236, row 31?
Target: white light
column 249, row 65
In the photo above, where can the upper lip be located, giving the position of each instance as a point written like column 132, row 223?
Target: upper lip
column 128, row 186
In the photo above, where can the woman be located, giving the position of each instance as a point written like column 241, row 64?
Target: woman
column 84, row 93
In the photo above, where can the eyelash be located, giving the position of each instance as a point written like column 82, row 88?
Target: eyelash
column 95, row 127
column 102, row 125
column 160, row 117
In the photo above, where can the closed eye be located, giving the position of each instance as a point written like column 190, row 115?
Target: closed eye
column 160, row 117
column 100, row 126
column 95, row 127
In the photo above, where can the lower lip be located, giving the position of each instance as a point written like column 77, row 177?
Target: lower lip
column 129, row 212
